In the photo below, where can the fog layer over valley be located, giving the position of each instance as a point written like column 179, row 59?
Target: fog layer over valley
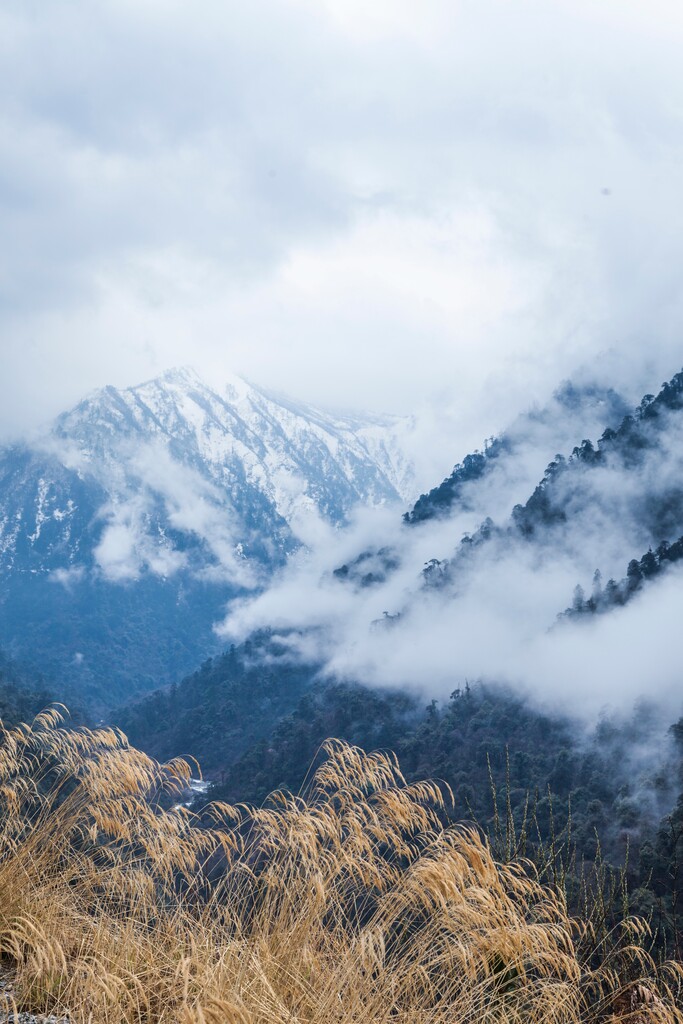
column 210, row 513
column 471, row 582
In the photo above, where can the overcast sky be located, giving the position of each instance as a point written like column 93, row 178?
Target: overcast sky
column 372, row 204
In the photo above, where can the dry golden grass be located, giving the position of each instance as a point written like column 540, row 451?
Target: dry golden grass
column 349, row 903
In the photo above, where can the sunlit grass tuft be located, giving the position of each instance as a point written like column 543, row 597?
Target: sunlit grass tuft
column 348, row 903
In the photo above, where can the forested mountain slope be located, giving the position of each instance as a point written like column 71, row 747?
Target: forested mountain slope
column 615, row 779
column 594, row 505
column 526, row 776
column 573, row 408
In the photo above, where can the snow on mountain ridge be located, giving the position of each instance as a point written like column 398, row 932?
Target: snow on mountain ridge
column 239, row 397
column 129, row 526
column 256, row 426
column 239, row 471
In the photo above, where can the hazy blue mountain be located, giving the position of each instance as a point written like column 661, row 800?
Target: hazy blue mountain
column 126, row 528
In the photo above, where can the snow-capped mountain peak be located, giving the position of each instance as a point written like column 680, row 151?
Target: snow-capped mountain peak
column 239, row 430
column 174, row 454
column 150, row 496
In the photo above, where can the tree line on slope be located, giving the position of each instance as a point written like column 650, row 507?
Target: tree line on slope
column 627, row 446
column 453, row 491
column 637, row 434
column 224, row 707
column 616, row 594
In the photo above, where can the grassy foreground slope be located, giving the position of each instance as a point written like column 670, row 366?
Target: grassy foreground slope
column 351, row 901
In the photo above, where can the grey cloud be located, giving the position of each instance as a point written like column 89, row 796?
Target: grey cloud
column 134, row 129
column 495, row 626
column 195, row 506
column 375, row 207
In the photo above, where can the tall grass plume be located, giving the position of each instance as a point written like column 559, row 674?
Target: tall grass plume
column 349, row 902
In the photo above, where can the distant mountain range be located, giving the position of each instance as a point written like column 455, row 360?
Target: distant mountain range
column 257, row 715
column 126, row 528
column 143, row 514
column 129, row 528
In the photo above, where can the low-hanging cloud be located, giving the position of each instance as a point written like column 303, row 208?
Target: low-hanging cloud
column 159, row 493
column 128, row 545
column 494, row 613
column 68, row 578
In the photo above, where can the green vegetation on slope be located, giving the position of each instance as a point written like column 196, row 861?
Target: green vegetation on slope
column 257, row 723
column 219, row 711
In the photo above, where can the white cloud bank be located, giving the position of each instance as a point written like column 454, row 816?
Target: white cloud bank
column 495, row 617
column 159, row 491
